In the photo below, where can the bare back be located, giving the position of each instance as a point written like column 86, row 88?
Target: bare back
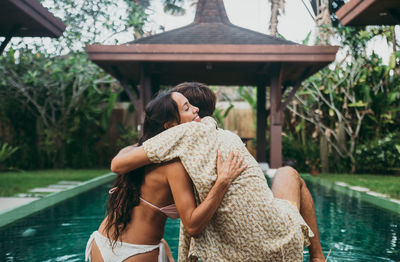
column 147, row 223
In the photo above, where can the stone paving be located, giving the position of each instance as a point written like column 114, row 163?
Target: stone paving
column 34, row 194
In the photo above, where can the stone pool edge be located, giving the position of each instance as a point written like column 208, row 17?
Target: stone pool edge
column 11, row 215
column 382, row 202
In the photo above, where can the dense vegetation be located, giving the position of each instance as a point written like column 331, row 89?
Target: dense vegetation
column 346, row 117
column 55, row 105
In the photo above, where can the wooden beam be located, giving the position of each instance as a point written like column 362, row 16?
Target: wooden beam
column 295, row 88
column 351, row 10
column 212, row 53
column 290, row 96
column 261, row 124
column 276, row 117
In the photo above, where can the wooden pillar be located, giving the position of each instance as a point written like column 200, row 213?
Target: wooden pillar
column 155, row 85
column 145, row 94
column 276, row 117
column 261, row 124
column 145, row 85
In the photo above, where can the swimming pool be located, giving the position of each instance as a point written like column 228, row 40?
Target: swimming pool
column 352, row 229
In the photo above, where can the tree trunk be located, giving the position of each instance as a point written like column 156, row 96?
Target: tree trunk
column 273, row 22
column 58, row 160
column 323, row 22
column 323, row 153
column 341, row 138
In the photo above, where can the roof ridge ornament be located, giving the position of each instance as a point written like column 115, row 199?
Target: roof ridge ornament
column 211, row 11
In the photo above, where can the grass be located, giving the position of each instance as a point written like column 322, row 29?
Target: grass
column 12, row 183
column 389, row 185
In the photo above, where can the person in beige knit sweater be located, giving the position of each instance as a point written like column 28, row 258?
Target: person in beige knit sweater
column 253, row 222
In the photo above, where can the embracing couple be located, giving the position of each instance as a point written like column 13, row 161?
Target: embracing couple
column 185, row 166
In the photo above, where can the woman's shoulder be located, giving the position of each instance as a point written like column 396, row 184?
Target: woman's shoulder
column 169, row 166
column 208, row 120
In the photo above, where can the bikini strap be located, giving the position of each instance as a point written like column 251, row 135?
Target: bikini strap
column 150, row 204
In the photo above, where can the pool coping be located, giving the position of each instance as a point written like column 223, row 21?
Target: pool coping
column 380, row 201
column 13, row 214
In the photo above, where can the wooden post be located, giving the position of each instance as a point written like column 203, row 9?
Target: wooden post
column 145, row 94
column 261, row 124
column 155, row 85
column 276, row 117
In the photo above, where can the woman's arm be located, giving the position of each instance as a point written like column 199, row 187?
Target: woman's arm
column 195, row 218
column 167, row 145
column 167, row 251
column 128, row 159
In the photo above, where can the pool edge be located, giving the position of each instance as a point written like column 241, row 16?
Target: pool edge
column 381, row 202
column 11, row 215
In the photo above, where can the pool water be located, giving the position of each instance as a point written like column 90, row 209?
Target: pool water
column 352, row 229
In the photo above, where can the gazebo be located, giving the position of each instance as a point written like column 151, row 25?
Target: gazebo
column 214, row 51
column 370, row 12
column 27, row 18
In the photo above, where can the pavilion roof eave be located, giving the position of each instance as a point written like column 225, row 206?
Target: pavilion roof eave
column 211, row 53
column 370, row 12
column 36, row 19
column 231, row 64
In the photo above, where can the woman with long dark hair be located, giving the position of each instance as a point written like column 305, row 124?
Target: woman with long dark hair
column 139, row 203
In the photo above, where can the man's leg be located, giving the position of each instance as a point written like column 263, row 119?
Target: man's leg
column 287, row 184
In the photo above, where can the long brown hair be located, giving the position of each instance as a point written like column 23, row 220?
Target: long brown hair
column 126, row 192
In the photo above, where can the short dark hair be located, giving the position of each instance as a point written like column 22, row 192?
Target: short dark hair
column 199, row 95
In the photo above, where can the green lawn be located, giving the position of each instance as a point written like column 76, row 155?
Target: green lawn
column 12, row 183
column 389, row 185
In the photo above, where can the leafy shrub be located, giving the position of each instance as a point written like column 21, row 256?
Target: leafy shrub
column 305, row 157
column 6, row 151
column 381, row 155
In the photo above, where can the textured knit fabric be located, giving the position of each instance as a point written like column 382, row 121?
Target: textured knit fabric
column 250, row 224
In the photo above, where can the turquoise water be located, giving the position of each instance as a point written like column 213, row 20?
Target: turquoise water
column 352, row 229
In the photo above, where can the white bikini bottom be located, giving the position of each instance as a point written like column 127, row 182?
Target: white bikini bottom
column 121, row 250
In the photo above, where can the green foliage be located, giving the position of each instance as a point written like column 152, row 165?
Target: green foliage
column 128, row 136
column 220, row 114
column 174, row 7
column 6, row 151
column 249, row 96
column 359, row 93
column 89, row 22
column 56, row 107
column 380, row 155
column 306, row 157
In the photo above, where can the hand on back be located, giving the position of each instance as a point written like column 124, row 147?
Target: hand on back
column 230, row 169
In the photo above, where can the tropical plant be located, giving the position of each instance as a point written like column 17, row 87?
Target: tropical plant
column 63, row 94
column 221, row 114
column 380, row 155
column 355, row 101
column 6, row 151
